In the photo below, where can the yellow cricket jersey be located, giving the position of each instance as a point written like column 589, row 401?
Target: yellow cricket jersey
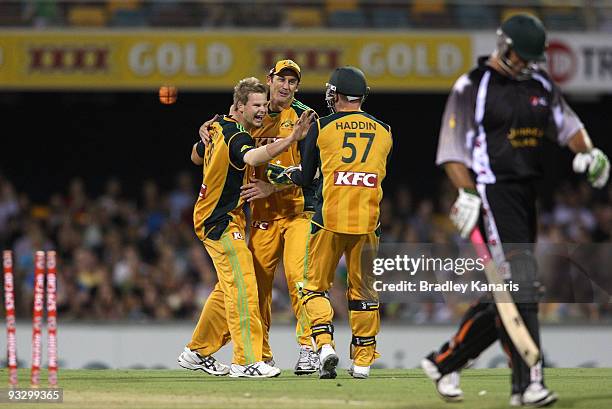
column 292, row 200
column 224, row 172
column 351, row 150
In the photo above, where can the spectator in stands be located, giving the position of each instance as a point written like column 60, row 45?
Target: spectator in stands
column 146, row 260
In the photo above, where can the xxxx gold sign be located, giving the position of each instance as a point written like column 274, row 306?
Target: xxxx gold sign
column 310, row 59
column 207, row 60
column 48, row 59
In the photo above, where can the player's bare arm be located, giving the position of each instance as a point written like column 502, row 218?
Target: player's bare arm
column 195, row 156
column 580, row 142
column 459, row 175
column 454, row 157
column 263, row 154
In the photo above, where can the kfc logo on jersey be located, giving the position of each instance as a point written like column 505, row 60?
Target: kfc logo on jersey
column 535, row 101
column 237, row 235
column 363, row 179
column 261, row 225
column 203, row 191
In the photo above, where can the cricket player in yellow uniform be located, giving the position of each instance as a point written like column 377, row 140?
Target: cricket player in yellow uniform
column 281, row 213
column 350, row 147
column 233, row 307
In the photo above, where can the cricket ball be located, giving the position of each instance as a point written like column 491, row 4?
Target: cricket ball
column 167, row 94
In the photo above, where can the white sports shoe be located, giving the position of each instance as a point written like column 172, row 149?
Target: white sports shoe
column 538, row 396
column 271, row 363
column 447, row 386
column 308, row 361
column 515, row 400
column 189, row 359
column 359, row 372
column 328, row 362
column 258, row 369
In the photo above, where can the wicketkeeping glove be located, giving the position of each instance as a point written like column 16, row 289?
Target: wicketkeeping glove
column 465, row 211
column 596, row 164
column 279, row 175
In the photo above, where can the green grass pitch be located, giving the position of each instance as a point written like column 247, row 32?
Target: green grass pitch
column 483, row 388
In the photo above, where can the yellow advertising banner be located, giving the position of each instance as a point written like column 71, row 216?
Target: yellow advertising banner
column 216, row 60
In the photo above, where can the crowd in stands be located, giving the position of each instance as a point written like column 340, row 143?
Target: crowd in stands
column 568, row 15
column 137, row 258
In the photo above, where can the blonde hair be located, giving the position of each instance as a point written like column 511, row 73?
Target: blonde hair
column 245, row 87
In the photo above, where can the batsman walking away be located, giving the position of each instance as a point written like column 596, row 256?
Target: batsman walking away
column 490, row 146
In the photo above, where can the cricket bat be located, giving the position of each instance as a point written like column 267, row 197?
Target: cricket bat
column 510, row 317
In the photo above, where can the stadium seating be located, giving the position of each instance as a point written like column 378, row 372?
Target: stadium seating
column 338, row 5
column 605, row 20
column 87, row 16
column 114, row 5
column 347, row 19
column 565, row 15
column 389, row 18
column 171, row 14
column 481, row 17
column 129, row 18
column 304, row 17
column 430, row 13
column 562, row 19
column 10, row 14
column 508, row 12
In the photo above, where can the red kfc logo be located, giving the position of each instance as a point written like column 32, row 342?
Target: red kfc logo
column 535, row 101
column 203, row 191
column 362, row 179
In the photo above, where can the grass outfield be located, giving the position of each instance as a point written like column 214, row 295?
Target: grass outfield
column 483, row 388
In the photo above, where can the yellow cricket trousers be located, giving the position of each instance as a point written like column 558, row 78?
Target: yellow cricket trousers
column 269, row 242
column 232, row 309
column 325, row 248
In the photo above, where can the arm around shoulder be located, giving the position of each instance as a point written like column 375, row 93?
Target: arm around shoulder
column 195, row 155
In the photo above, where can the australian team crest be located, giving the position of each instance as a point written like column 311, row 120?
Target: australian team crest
column 287, row 124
